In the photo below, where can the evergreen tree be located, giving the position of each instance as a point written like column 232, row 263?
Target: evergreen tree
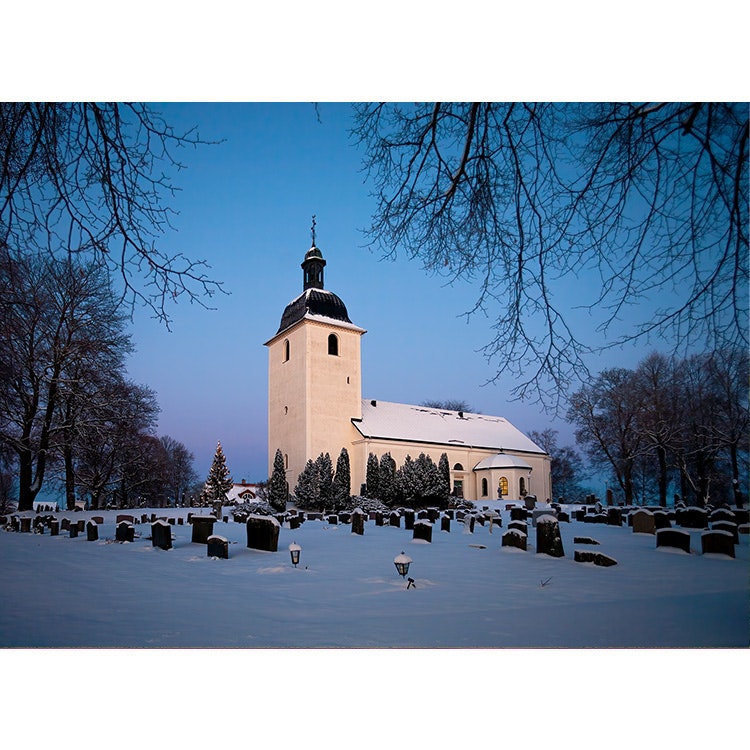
column 342, row 481
column 428, row 484
column 219, row 480
column 277, row 488
column 372, row 477
column 444, row 477
column 406, row 481
column 387, row 480
column 307, row 490
column 325, row 480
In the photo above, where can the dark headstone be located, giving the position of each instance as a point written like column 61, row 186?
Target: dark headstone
column 741, row 515
column 124, row 517
column 514, row 538
column 124, row 532
column 73, row 530
column 293, row 522
column 263, row 533
column 345, row 517
column 423, row 515
column 692, row 518
column 180, row 521
column 583, row 555
column 584, row 540
column 717, row 543
column 358, row 522
column 54, row 528
column 161, row 535
column 722, row 514
column 92, row 531
column 661, row 520
column 98, row 519
column 171, row 521
column 423, row 530
column 563, row 516
column 378, row 518
column 673, row 538
column 580, row 514
column 433, row 514
column 728, row 526
column 217, row 546
column 144, row 518
column 395, row 519
column 643, row 522
column 333, row 520
column 614, row 516
column 81, row 525
column 25, row 525
column 450, row 513
column 521, row 526
column 529, row 502
column 408, row 519
column 445, row 523
column 548, row 539
column 203, row 527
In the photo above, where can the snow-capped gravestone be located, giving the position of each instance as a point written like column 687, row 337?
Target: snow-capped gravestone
column 92, row 530
column 717, row 543
column 661, row 520
column 729, row 527
column 643, row 522
column 519, row 526
column 722, row 514
column 469, row 524
column 161, row 534
column 587, row 556
column 358, row 522
column 539, row 512
column 692, row 518
column 614, row 517
column 54, row 527
column 445, row 523
column 548, row 539
column 217, row 546
column 262, row 533
column 124, row 532
column 333, row 520
column 673, row 538
column 203, row 527
column 73, row 530
column 408, row 515
column 25, row 525
column 422, row 530
column 514, row 538
column 518, row 514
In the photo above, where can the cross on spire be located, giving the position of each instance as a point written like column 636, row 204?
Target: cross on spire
column 312, row 230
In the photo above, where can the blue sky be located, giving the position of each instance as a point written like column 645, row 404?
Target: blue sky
column 245, row 207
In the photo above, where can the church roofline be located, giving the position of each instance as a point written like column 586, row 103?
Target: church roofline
column 322, row 320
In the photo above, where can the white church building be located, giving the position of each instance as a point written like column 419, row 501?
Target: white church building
column 315, row 406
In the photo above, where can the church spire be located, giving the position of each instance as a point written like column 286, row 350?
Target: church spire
column 313, row 264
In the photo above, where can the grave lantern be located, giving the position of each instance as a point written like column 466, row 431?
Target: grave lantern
column 294, row 550
column 402, row 563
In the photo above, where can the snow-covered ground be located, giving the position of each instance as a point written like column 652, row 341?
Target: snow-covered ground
column 469, row 594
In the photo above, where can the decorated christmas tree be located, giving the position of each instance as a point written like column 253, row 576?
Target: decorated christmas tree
column 219, row 480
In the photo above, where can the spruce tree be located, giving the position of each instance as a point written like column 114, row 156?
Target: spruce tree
column 387, row 480
column 325, row 480
column 307, row 490
column 444, row 478
column 219, row 480
column 277, row 487
column 372, row 478
column 341, row 490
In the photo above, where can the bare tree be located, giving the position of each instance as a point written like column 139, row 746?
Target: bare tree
column 653, row 197
column 94, row 179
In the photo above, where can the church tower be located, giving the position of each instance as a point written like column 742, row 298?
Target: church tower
column 314, row 377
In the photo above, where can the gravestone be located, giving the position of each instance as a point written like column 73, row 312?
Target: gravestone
column 161, row 535
column 73, row 530
column 203, row 527
column 81, row 525
column 378, row 518
column 180, row 521
column 217, row 546
column 717, row 543
column 124, row 517
column 514, row 538
column 643, row 522
column 673, row 538
column 469, row 524
column 25, row 525
column 479, row 519
column 333, row 519
column 661, row 520
column 519, row 526
column 548, row 539
column 445, row 523
column 450, row 513
column 171, row 521
column 433, row 514
column 587, row 556
column 293, row 522
column 693, row 518
column 722, row 514
column 584, row 540
column 614, row 516
column 358, row 522
column 54, row 527
column 144, row 518
column 741, row 515
column 542, row 512
column 728, row 526
column 395, row 519
column 529, row 502
column 423, row 515
column 422, row 530
column 262, row 533
column 98, row 519
column 92, row 531
column 563, row 516
column 580, row 514
column 408, row 514
column 493, row 520
column 345, row 517
column 124, row 532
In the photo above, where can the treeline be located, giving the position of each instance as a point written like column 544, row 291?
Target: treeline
column 417, row 482
column 69, row 415
column 670, row 422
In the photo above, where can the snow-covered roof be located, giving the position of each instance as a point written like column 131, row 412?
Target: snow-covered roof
column 422, row 424
column 502, row 461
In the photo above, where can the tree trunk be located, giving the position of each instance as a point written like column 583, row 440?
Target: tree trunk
column 662, row 456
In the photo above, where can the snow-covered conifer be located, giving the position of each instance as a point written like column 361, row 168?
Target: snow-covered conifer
column 387, row 479
column 277, row 486
column 342, row 481
column 219, row 480
column 372, row 477
column 307, row 490
column 324, row 466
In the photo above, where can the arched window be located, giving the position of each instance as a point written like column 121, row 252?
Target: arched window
column 286, row 350
column 485, row 490
column 458, row 467
column 503, row 487
column 522, row 486
column 333, row 345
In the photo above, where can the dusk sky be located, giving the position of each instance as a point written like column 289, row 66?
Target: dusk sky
column 246, row 207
